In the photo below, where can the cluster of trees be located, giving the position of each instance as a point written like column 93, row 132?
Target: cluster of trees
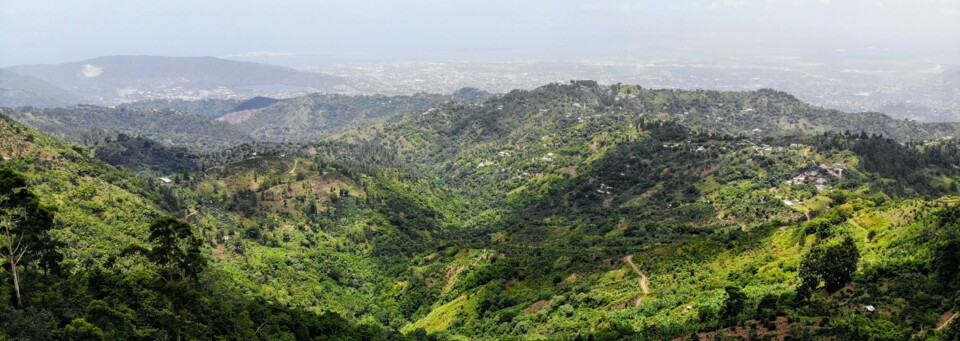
column 946, row 256
column 25, row 239
column 137, row 153
column 832, row 265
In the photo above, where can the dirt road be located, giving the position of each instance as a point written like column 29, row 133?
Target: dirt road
column 294, row 169
column 643, row 280
column 948, row 320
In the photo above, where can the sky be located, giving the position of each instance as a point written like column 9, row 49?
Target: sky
column 320, row 31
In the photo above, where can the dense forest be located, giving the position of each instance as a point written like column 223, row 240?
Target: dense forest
column 573, row 211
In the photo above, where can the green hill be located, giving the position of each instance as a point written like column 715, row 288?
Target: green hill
column 572, row 211
column 106, row 280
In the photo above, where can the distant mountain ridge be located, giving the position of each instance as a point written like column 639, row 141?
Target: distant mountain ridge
column 18, row 90
column 118, row 79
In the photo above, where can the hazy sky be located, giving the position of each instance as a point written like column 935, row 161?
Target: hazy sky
column 53, row 31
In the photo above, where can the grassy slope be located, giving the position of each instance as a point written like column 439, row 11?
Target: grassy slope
column 102, row 210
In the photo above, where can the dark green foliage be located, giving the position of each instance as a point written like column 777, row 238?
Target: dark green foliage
column 143, row 154
column 614, row 330
column 732, row 305
column 245, row 201
column 865, row 328
column 176, row 249
column 255, row 103
column 768, row 307
column 946, row 254
column 416, row 297
column 832, row 264
column 822, row 226
column 910, row 164
column 946, row 261
column 501, row 270
column 25, row 227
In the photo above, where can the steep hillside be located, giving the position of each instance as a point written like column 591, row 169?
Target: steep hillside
column 101, row 273
column 98, row 204
column 316, row 233
column 713, row 222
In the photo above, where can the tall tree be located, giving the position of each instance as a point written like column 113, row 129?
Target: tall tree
column 832, row 265
column 25, row 229
column 176, row 249
column 733, row 305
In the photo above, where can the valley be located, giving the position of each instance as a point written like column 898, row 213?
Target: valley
column 571, row 211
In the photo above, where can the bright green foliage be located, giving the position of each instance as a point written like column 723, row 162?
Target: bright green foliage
column 511, row 220
column 81, row 330
column 106, row 293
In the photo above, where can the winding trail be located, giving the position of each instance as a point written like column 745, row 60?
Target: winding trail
column 947, row 322
column 294, row 169
column 191, row 214
column 643, row 280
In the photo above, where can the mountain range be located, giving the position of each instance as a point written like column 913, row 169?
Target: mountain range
column 119, row 79
column 571, row 211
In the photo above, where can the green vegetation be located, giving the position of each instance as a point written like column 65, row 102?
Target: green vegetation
column 570, row 211
column 834, row 265
column 309, row 117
